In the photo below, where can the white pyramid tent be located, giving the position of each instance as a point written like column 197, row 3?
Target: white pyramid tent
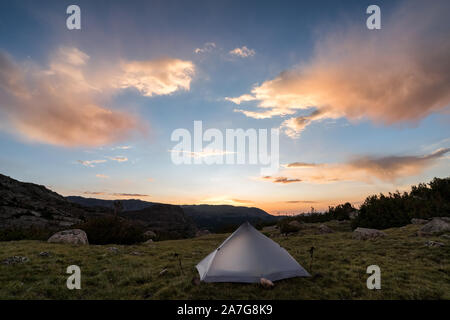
column 247, row 256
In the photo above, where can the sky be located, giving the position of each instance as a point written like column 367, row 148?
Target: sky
column 92, row 112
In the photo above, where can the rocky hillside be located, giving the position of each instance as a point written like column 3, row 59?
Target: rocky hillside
column 25, row 205
column 128, row 205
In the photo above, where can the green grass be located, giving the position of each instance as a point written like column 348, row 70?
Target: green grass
column 409, row 269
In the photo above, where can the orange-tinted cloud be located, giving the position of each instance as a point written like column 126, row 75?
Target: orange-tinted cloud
column 119, row 158
column 57, row 105
column 63, row 104
column 90, row 163
column 281, row 179
column 399, row 74
column 156, row 77
column 242, row 201
column 129, row 195
column 366, row 168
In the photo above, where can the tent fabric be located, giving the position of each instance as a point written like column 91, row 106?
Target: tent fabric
column 247, row 256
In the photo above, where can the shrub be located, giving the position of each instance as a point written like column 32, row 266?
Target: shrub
column 286, row 228
column 394, row 210
column 110, row 229
column 30, row 233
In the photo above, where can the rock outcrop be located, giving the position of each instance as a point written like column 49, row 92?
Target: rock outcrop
column 436, row 225
column 25, row 205
column 74, row 236
column 418, row 221
column 325, row 229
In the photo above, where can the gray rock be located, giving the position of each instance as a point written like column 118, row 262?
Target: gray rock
column 325, row 229
column 418, row 221
column 436, row 225
column 431, row 243
column 74, row 236
column 44, row 254
column 149, row 234
column 113, row 249
column 149, row 241
column 366, row 234
column 15, row 260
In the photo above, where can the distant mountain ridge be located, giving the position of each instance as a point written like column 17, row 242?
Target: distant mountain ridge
column 211, row 217
column 26, row 205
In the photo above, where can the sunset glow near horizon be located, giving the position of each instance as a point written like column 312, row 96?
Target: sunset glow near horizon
column 91, row 112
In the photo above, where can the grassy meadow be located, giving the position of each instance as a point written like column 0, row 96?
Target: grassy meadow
column 409, row 269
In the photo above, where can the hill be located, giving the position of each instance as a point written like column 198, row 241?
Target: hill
column 31, row 211
column 211, row 217
column 128, row 205
column 168, row 221
column 217, row 217
column 409, row 269
column 24, row 205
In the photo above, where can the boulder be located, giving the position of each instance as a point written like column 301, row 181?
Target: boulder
column 266, row 283
column 149, row 234
column 418, row 221
column 149, row 241
column 325, row 229
column 73, row 236
column 14, row 260
column 365, row 234
column 113, row 249
column 437, row 225
column 431, row 243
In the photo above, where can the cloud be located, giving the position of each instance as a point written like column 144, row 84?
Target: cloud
column 366, row 168
column 399, row 74
column 129, row 195
column 207, row 47
column 102, row 176
column 57, row 105
column 301, row 165
column 204, row 153
column 121, row 148
column 243, row 98
column 118, row 158
column 243, row 52
column 94, row 193
column 283, row 180
column 63, row 103
column 156, row 77
column 90, row 163
column 242, row 201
